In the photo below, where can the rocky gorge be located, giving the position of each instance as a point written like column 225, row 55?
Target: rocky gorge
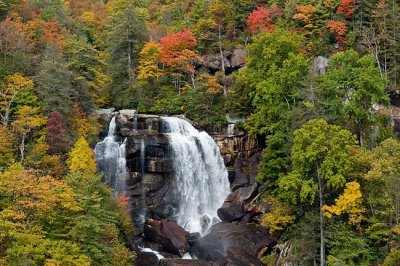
column 192, row 193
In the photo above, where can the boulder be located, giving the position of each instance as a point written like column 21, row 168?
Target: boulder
column 171, row 236
column 223, row 236
column 234, row 205
column 180, row 262
column 128, row 112
column 213, row 62
column 238, row 58
column 146, row 259
column 239, row 256
column 319, row 65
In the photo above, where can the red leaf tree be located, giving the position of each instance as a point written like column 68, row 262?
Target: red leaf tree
column 346, row 7
column 260, row 20
column 55, row 137
column 339, row 29
column 177, row 53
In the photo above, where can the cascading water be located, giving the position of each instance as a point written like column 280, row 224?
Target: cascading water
column 111, row 159
column 142, row 204
column 201, row 177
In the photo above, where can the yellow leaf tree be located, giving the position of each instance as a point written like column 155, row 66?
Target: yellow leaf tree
column 350, row 202
column 148, row 69
column 81, row 159
column 28, row 119
column 14, row 84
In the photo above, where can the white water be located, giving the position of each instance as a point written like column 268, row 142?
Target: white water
column 231, row 130
column 149, row 250
column 201, row 176
column 110, row 157
column 142, row 203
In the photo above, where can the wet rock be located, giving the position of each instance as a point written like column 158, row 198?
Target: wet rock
column 171, row 236
column 180, row 262
column 214, row 246
column 238, row 256
column 193, row 237
column 146, row 259
column 245, row 168
column 234, row 205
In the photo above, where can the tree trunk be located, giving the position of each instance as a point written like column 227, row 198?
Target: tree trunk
column 22, row 147
column 321, row 223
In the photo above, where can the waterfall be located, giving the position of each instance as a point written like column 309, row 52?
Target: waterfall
column 110, row 157
column 201, row 177
column 142, row 203
column 231, row 130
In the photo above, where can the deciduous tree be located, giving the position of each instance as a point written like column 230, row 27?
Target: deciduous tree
column 15, row 84
column 81, row 159
column 321, row 162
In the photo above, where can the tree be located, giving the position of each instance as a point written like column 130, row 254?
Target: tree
column 28, row 119
column 259, row 20
column 88, row 65
column 382, row 195
column 15, row 43
column 102, row 225
column 346, row 247
column 178, row 56
column 148, row 70
column 15, row 84
column 220, row 12
column 126, row 37
column 54, row 86
column 81, row 158
column 7, row 140
column 274, row 75
column 347, row 7
column 321, row 162
column 55, row 136
column 349, row 91
column 338, row 28
column 28, row 200
column 350, row 202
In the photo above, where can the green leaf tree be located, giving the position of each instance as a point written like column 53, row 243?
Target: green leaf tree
column 321, row 162
column 349, row 91
column 274, row 76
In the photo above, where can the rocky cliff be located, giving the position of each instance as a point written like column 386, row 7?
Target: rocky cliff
column 154, row 197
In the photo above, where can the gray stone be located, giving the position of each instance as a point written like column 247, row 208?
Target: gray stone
column 233, row 208
column 222, row 236
column 238, row 58
column 319, row 65
column 171, row 236
column 128, row 112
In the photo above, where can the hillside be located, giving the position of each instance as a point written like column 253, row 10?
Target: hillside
column 312, row 86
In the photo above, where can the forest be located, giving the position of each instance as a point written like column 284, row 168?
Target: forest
column 331, row 159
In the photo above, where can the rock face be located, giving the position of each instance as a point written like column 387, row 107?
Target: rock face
column 320, row 65
column 171, row 236
column 233, row 60
column 241, row 153
column 154, row 200
column 234, row 207
column 223, row 236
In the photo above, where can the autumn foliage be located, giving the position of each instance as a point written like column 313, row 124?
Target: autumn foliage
column 177, row 51
column 346, row 7
column 339, row 29
column 259, row 20
column 81, row 159
column 55, row 137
